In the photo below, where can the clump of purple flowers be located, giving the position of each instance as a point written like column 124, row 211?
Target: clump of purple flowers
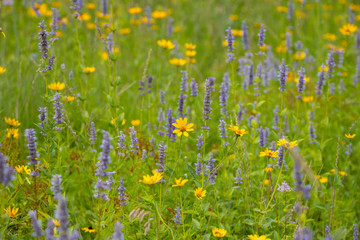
column 7, row 173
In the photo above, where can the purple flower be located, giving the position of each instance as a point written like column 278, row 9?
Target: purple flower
column 36, row 225
column 211, row 169
column 162, row 98
column 200, row 142
column 118, row 234
column 301, row 83
column 194, row 88
column 149, row 83
column 105, row 7
column 207, row 98
column 198, row 165
column 224, row 94
column 320, row 82
column 303, row 234
column 181, row 104
column 312, row 133
column 162, row 154
column 245, row 36
column 282, row 75
column 58, row 115
column 56, row 185
column 327, row 233
column 276, row 117
column 251, row 74
column 223, row 131
column 7, row 173
column 230, row 39
column 31, row 140
column 178, row 216
column 261, row 137
column 331, row 63
column 50, row 230
column 288, row 42
column 122, row 196
column 62, row 214
column 134, row 146
column 284, row 187
column 238, row 178
column 261, row 36
column 356, row 232
column 184, row 78
column 357, row 76
column 43, row 44
column 170, row 27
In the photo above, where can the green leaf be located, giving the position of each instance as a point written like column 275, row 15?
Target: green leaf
column 196, row 224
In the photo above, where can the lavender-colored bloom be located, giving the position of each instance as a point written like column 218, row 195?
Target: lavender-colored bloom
column 290, row 13
column 298, row 45
column 162, row 98
column 207, row 99
column 320, row 82
column 306, row 190
column 212, row 172
column 356, row 232
column 184, row 78
column 51, row 63
column 148, row 15
column 245, row 36
column 341, row 53
column 230, row 39
column 332, row 88
column 301, row 83
column 43, row 44
column 312, row 133
column 149, row 83
column 280, row 159
column 55, row 23
column 272, row 146
column 7, row 173
column 230, row 57
column 251, row 74
column 266, row 136
column 288, row 42
column 110, row 42
column 122, row 196
column 223, row 131
column 105, row 6
column 42, row 116
column 56, row 185
column 238, row 178
column 298, row 177
column 50, row 230
column 240, row 113
column 261, row 36
column 118, row 234
column 162, row 154
column 198, row 165
column 75, row 235
column 142, row 87
column 134, row 146
column 121, row 141
column 331, row 63
column 110, row 180
column 170, row 126
column 194, row 88
column 282, row 75
column 178, row 216
column 276, row 117
column 104, row 159
column 181, row 104
column 224, row 94
column 244, row 84
column 261, row 137
column 31, row 140
column 351, row 16
column 250, row 118
column 257, row 115
column 303, row 234
column 62, row 214
column 348, row 150
column 36, row 224
column 58, row 115
column 328, row 236
column 92, row 134
column 200, row 142
column 357, row 76
column 357, row 40
column 284, row 187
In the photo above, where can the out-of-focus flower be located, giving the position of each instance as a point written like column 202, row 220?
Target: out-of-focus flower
column 57, row 86
column 90, row 6
column 269, row 153
column 190, row 46
column 177, row 62
column 348, row 29
column 12, row 212
column 237, row 32
column 329, row 36
column 299, row 55
column 179, row 182
column 150, row 180
column 350, row 135
column 12, row 122
column 165, row 44
column 12, row 132
column 281, row 9
column 89, row 230
column 218, row 232
column 68, row 98
column 158, row 14
column 2, row 70
column 89, row 70
column 135, row 10
column 308, row 98
column 125, row 31
column 135, row 122
column 200, row 193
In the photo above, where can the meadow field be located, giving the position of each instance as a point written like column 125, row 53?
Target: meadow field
column 179, row 119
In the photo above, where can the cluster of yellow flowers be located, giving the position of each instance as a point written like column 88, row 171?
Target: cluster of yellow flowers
column 13, row 131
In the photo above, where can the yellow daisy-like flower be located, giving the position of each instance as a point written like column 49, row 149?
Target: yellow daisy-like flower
column 113, row 121
column 269, row 153
column 57, row 86
column 234, row 17
column 91, row 26
column 329, row 36
column 190, row 53
column 179, row 182
column 90, row 6
column 281, row 9
column 12, row 212
column 218, row 232
column 135, row 122
column 200, row 193
column 14, row 132
column 125, row 31
column 348, row 29
column 307, row 79
column 150, row 180
column 190, row 46
column 165, row 44
column 268, row 169
column 183, row 127
column 68, row 98
column 308, row 98
column 23, row 169
column 299, row 55
column 56, row 222
column 323, row 179
column 266, row 182
column 237, row 32
column 342, row 173
column 2, row 70
column 12, row 122
column 89, row 230
column 84, row 17
column 135, row 10
column 177, row 62
column 350, row 136
column 237, row 131
column 89, row 70
column 283, row 142
column 158, row 14
column 256, row 237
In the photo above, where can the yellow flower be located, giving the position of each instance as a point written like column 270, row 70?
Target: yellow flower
column 237, row 131
column 68, row 98
column 84, row 17
column 150, row 180
column 2, row 70
column 300, row 14
column 256, row 237
column 225, row 43
column 307, row 79
column 90, row 6
column 158, row 14
column 269, row 153
column 14, row 132
column 281, row 9
column 263, row 47
column 12, row 212
column 266, row 182
column 283, row 142
column 22, row 169
column 2, row 33
column 12, row 122
column 135, row 122
column 183, row 127
column 135, row 10
column 308, row 98
column 268, row 169
column 177, row 62
column 237, row 32
column 190, row 46
column 190, row 53
column 104, row 55
column 179, row 182
column 56, row 222
column 299, row 55
column 89, row 70
column 57, row 86
column 218, row 232
column 350, row 135
column 91, row 26
column 101, row 15
column 113, row 121
column 234, row 17
column 323, row 179
column 191, row 60
column 123, row 121
column 200, row 193
column 342, row 173
column 89, row 230
column 329, row 36
column 348, row 29
column 165, row 44
column 281, row 48
column 124, row 31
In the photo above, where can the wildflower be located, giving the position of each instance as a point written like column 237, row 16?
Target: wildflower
column 177, row 62
column 356, row 232
column 12, row 212
column 323, row 179
column 181, row 104
column 135, row 10
column 207, row 98
column 150, row 180
column 89, row 70
column 179, row 182
column 283, row 142
column 118, row 234
column 12, row 132
column 134, row 146
column 307, row 98
column 68, row 98
column 284, row 187
column 200, row 193
column 23, row 169
column 212, row 172
column 198, row 165
column 266, row 182
column 167, row 44
column 56, row 222
column 57, row 86
column 183, row 127
column 224, row 93
column 57, row 111
column 190, row 46
column 269, row 153
column 135, row 122
column 124, row 31
column 237, row 131
column 7, row 173
column 122, row 196
column 43, row 44
column 229, row 38
column 158, row 14
column 36, row 225
column 178, row 216
column 223, row 131
column 281, row 9
column 56, row 185
column 245, row 36
column 350, row 136
column 348, row 29
column 2, row 70
column 218, row 232
column 312, row 133
column 261, row 36
column 12, row 122
column 256, row 237
column 282, row 75
column 50, row 229
column 299, row 55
